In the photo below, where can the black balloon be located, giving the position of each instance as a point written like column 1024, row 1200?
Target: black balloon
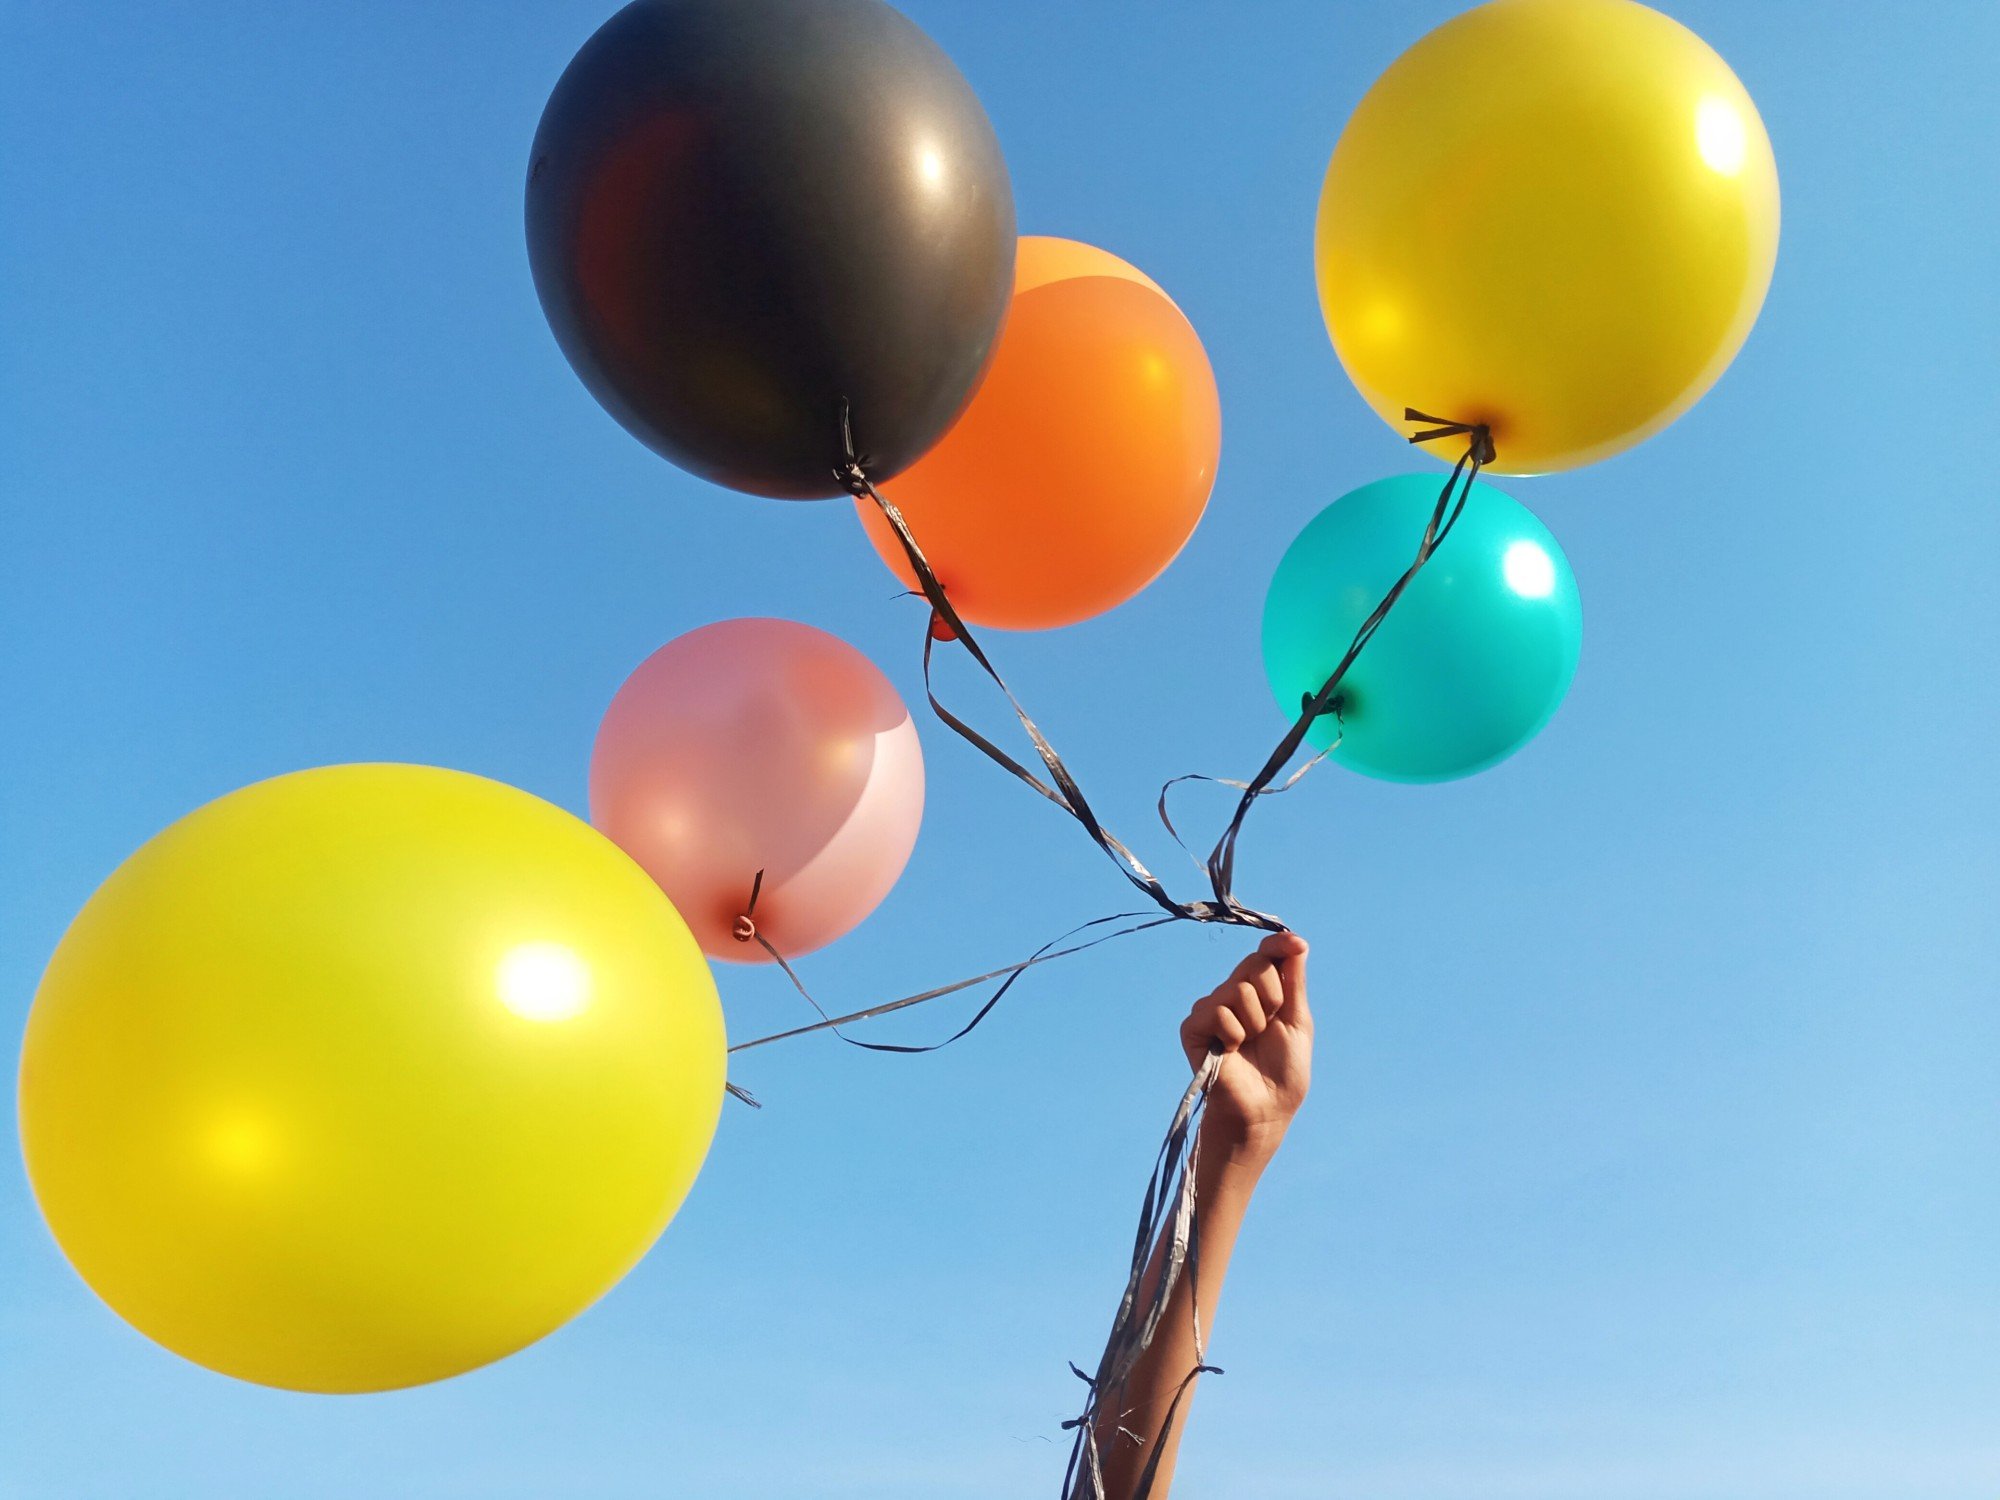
column 747, row 215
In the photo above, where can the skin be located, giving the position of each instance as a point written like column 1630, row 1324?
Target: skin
column 1260, row 1018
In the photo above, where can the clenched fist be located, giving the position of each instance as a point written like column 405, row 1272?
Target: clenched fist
column 1260, row 1020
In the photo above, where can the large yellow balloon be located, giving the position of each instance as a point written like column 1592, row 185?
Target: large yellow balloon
column 1558, row 217
column 366, row 1076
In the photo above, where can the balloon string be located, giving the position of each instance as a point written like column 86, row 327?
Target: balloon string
column 1450, row 505
column 1242, row 786
column 1168, row 1218
column 1169, row 1230
column 1007, row 974
column 1061, row 788
column 1132, row 1330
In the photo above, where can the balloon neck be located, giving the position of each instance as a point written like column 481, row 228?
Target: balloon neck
column 941, row 628
column 743, row 929
column 1479, row 447
column 1336, row 705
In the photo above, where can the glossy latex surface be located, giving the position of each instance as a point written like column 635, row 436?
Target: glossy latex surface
column 366, row 1076
column 767, row 745
column 744, row 213
column 1558, row 217
column 1085, row 459
column 1469, row 665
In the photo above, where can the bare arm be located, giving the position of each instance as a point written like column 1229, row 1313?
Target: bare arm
column 1260, row 1018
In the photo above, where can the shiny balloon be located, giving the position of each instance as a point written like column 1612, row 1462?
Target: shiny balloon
column 1470, row 663
column 1556, row 217
column 1085, row 460
column 366, row 1076
column 745, row 216
column 761, row 745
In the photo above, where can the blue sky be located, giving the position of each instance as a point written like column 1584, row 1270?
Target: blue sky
column 1652, row 1153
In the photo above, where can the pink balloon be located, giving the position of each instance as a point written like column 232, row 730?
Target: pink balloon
column 766, row 745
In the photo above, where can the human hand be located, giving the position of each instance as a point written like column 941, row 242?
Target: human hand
column 1260, row 1019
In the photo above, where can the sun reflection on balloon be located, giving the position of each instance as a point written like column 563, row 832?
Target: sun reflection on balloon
column 1719, row 135
column 240, row 1143
column 543, row 982
column 1529, row 570
column 843, row 755
column 1382, row 322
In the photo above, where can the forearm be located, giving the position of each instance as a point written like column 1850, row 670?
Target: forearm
column 1132, row 1420
column 1255, row 1031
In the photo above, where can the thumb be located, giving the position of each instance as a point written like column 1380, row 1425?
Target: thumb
column 1292, row 979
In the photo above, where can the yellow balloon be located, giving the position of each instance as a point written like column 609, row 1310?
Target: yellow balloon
column 366, row 1076
column 1558, row 217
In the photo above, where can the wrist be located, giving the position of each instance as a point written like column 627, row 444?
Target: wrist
column 1239, row 1153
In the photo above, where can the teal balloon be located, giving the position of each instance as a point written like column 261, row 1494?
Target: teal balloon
column 1468, row 666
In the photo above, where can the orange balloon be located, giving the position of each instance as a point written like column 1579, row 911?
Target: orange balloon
column 1085, row 459
column 1042, row 258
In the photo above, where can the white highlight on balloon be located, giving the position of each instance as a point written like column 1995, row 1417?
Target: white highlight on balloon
column 1530, row 572
column 543, row 982
column 930, row 166
column 1719, row 135
column 241, row 1144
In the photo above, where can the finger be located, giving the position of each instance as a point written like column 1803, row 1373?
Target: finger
column 1211, row 1020
column 1251, row 963
column 1227, row 1029
column 1246, row 1003
column 1204, row 1026
column 1270, row 990
column 1256, row 964
column 1292, row 976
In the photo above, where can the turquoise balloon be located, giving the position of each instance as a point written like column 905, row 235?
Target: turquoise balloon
column 1467, row 667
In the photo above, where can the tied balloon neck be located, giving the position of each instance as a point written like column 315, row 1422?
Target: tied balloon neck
column 851, row 468
column 744, row 928
column 1312, row 708
column 1479, row 449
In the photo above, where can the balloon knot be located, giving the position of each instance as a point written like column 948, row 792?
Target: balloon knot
column 1479, row 435
column 941, row 628
column 1336, row 705
column 744, row 928
column 854, row 478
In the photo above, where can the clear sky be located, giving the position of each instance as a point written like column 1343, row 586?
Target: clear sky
column 1653, row 1152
